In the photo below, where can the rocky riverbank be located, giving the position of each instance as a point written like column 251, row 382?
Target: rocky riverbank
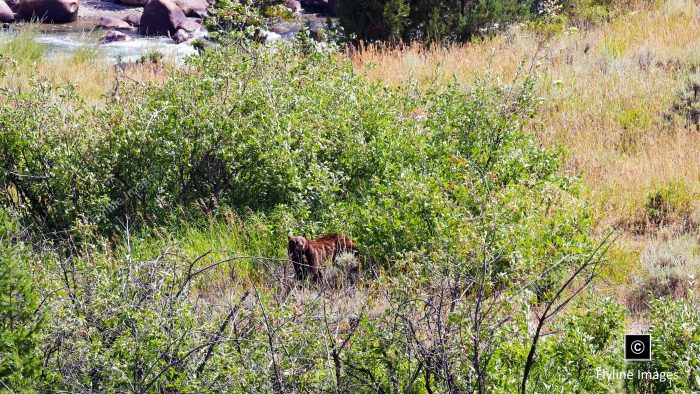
column 179, row 20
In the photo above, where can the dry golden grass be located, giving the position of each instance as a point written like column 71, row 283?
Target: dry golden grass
column 23, row 60
column 605, row 92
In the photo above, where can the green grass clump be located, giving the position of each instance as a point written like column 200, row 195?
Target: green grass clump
column 23, row 47
column 669, row 204
column 86, row 54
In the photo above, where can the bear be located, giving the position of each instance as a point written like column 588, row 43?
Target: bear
column 311, row 255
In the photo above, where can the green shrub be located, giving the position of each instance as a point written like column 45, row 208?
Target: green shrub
column 634, row 124
column 675, row 343
column 20, row 318
column 686, row 105
column 445, row 21
column 278, row 11
column 587, row 339
column 240, row 18
column 292, row 129
column 672, row 203
column 588, row 13
column 246, row 144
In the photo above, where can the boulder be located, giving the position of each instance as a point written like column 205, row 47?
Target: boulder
column 181, row 36
column 113, row 23
column 190, row 25
column 133, row 19
column 293, row 5
column 134, row 3
column 13, row 4
column 6, row 13
column 115, row 36
column 195, row 8
column 161, row 18
column 53, row 11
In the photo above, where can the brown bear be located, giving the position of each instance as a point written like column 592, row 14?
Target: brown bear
column 311, row 255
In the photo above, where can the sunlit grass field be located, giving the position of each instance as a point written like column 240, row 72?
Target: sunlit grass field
column 23, row 60
column 606, row 97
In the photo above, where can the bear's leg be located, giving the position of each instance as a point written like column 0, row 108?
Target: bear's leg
column 298, row 271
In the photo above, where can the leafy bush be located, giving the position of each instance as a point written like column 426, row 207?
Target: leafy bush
column 129, row 325
column 669, row 204
column 447, row 21
column 20, row 320
column 588, row 339
column 587, row 13
column 294, row 130
column 240, row 18
column 438, row 185
column 675, row 344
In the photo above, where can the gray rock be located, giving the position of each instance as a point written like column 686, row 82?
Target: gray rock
column 181, row 36
column 191, row 25
column 134, row 3
column 293, row 5
column 13, row 4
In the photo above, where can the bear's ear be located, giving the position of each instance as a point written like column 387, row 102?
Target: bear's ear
column 289, row 237
column 304, row 235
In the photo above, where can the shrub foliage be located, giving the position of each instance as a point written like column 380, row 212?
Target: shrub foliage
column 156, row 225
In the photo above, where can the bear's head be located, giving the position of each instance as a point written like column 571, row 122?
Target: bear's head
column 297, row 245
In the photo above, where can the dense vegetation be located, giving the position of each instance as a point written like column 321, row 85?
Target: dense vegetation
column 450, row 21
column 143, row 237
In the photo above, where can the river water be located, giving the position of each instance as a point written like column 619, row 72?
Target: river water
column 67, row 38
column 64, row 39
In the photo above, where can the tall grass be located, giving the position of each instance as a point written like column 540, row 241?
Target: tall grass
column 605, row 95
column 23, row 47
column 87, row 69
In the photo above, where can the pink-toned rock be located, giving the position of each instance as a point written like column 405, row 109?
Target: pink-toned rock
column 115, row 36
column 293, row 5
column 190, row 25
column 195, row 8
column 161, row 18
column 53, row 11
column 113, row 23
column 133, row 19
column 6, row 13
